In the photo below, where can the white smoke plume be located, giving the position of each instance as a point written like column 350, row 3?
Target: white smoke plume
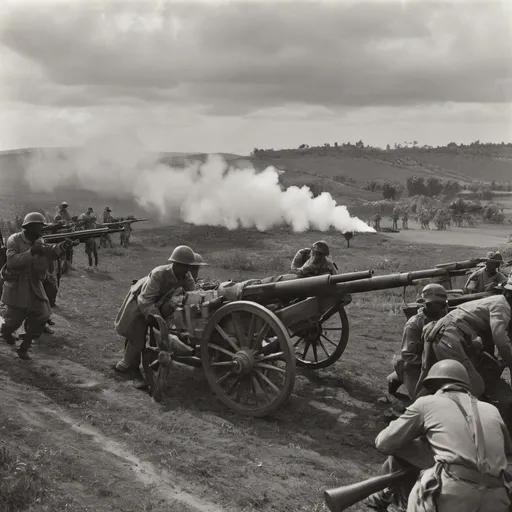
column 209, row 193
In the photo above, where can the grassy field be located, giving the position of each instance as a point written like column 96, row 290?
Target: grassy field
column 75, row 437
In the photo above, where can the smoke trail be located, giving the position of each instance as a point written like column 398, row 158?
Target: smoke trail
column 209, row 193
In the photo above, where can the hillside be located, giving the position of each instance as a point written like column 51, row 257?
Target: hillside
column 341, row 170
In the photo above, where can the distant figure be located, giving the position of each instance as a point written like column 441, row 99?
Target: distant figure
column 395, row 216
column 84, row 220
column 376, row 219
column 405, row 219
column 125, row 235
column 91, row 249
column 313, row 262
column 63, row 213
column 105, row 240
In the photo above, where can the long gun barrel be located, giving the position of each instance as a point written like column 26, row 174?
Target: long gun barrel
column 78, row 235
column 129, row 221
column 341, row 498
column 341, row 284
column 462, row 265
column 302, row 287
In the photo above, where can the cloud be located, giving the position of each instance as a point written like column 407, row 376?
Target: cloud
column 233, row 59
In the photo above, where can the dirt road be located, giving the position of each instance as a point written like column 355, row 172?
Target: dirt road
column 103, row 445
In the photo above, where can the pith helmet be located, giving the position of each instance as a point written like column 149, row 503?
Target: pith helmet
column 199, row 260
column 321, row 247
column 448, row 369
column 33, row 218
column 184, row 255
column 495, row 257
column 107, row 209
column 434, row 293
column 63, row 204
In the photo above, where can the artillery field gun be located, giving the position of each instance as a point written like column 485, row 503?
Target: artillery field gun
column 249, row 337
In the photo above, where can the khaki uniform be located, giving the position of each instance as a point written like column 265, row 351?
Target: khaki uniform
column 125, row 235
column 144, row 299
column 63, row 214
column 408, row 363
column 480, row 279
column 105, row 240
column 303, row 265
column 23, row 290
column 463, row 453
column 451, row 338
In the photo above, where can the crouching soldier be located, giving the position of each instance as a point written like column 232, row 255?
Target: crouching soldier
column 23, row 275
column 147, row 298
column 408, row 363
column 455, row 446
column 313, row 262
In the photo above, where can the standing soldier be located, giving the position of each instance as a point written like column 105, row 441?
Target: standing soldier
column 395, row 216
column 85, row 219
column 23, row 291
column 408, row 363
column 488, row 277
column 105, row 240
column 314, row 261
column 125, row 235
column 63, row 215
column 376, row 221
column 90, row 243
column 459, row 444
column 405, row 218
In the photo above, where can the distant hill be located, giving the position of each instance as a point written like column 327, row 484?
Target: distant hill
column 341, row 170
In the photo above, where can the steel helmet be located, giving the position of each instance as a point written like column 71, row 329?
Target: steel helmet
column 183, row 254
column 434, row 293
column 495, row 257
column 448, row 369
column 107, row 209
column 199, row 260
column 63, row 204
column 321, row 247
column 33, row 218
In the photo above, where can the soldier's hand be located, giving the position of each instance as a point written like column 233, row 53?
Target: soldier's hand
column 152, row 321
column 37, row 250
column 67, row 244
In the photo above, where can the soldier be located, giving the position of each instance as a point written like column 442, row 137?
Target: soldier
column 405, row 219
column 63, row 213
column 313, row 262
column 395, row 216
column 145, row 299
column 105, row 240
column 84, row 220
column 376, row 221
column 204, row 283
column 459, row 444
column 408, row 363
column 23, row 291
column 125, row 235
column 453, row 337
column 488, row 277
column 91, row 248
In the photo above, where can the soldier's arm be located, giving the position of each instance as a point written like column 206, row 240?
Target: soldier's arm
column 412, row 344
column 307, row 270
column 472, row 282
column 15, row 258
column 499, row 317
column 150, row 293
column 189, row 284
column 403, row 430
column 297, row 260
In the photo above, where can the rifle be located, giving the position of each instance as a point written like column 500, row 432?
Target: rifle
column 80, row 236
column 129, row 221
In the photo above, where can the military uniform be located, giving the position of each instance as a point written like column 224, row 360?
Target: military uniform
column 462, row 452
column 304, row 266
column 144, row 299
column 481, row 279
column 23, row 290
column 125, row 235
column 63, row 215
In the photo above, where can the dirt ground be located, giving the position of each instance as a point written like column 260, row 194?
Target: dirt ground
column 94, row 443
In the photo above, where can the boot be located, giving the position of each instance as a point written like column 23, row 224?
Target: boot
column 10, row 339
column 23, row 354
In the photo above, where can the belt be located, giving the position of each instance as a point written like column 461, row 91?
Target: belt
column 473, row 476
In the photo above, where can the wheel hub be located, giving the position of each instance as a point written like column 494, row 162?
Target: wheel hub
column 311, row 333
column 243, row 362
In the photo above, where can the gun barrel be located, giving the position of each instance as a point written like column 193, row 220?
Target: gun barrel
column 461, row 265
column 78, row 235
column 296, row 287
column 341, row 498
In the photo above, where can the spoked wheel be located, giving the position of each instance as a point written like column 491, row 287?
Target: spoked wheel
column 248, row 359
column 323, row 342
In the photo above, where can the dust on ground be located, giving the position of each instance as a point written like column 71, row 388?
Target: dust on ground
column 103, row 445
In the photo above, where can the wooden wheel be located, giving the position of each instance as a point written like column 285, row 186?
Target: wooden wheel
column 248, row 359
column 323, row 342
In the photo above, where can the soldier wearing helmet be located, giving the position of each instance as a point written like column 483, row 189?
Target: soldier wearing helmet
column 145, row 300
column 408, row 363
column 105, row 240
column 488, row 277
column 313, row 262
column 459, row 444
column 23, row 276
column 63, row 213
column 91, row 247
column 453, row 337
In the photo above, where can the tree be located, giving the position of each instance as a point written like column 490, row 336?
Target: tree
column 388, row 147
column 348, row 236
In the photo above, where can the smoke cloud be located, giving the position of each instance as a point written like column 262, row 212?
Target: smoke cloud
column 202, row 193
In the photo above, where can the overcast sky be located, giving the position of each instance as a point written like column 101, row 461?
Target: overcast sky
column 219, row 76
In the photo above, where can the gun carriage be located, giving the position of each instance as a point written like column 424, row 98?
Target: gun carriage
column 250, row 337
